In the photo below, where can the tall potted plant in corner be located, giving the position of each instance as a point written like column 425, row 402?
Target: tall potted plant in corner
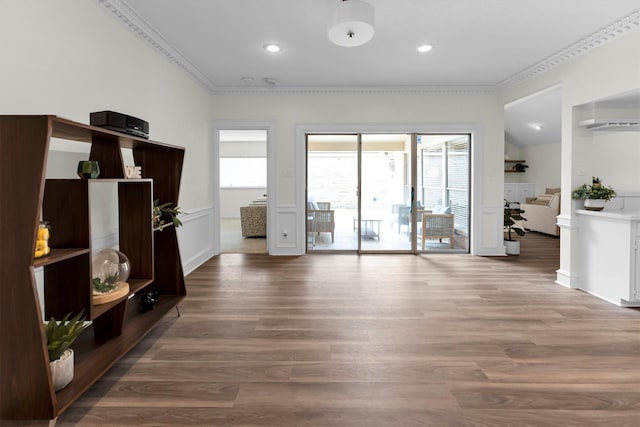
column 594, row 195
column 60, row 335
column 512, row 214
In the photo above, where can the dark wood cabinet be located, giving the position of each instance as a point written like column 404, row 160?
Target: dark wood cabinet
column 26, row 388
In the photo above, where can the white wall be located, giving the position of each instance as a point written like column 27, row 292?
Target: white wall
column 610, row 69
column 544, row 166
column 232, row 198
column 359, row 111
column 69, row 58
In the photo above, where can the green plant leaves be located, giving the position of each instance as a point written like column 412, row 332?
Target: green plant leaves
column 60, row 335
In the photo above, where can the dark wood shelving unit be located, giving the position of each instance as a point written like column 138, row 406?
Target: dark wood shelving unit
column 26, row 389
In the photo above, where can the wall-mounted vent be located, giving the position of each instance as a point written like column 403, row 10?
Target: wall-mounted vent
column 612, row 125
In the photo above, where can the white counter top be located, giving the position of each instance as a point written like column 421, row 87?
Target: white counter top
column 619, row 215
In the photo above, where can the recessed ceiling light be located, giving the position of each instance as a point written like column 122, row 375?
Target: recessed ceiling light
column 537, row 127
column 272, row 48
column 424, row 48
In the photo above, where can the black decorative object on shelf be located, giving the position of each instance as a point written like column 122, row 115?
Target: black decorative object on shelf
column 149, row 300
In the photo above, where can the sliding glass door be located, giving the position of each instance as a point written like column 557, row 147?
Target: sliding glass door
column 385, row 199
column 444, row 192
column 332, row 192
column 388, row 192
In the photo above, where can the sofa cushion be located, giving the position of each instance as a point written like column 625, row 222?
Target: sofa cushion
column 551, row 190
column 543, row 199
column 438, row 209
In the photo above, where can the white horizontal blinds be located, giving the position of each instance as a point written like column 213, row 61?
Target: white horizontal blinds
column 458, row 180
column 432, row 175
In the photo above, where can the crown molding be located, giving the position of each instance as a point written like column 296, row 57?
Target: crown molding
column 123, row 13
column 353, row 90
column 621, row 26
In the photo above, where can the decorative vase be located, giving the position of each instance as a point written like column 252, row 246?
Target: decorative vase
column 88, row 169
column 594, row 204
column 512, row 247
column 62, row 370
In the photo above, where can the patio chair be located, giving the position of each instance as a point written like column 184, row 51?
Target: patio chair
column 438, row 226
column 403, row 216
column 322, row 221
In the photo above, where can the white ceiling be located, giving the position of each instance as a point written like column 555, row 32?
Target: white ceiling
column 539, row 110
column 477, row 44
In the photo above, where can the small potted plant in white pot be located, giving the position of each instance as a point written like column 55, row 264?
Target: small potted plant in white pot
column 60, row 335
column 594, row 195
column 512, row 214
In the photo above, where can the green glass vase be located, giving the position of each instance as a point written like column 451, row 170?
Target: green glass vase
column 88, row 169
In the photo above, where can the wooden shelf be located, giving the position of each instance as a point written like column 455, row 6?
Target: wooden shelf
column 93, row 358
column 135, row 285
column 57, row 255
column 514, row 161
column 26, row 389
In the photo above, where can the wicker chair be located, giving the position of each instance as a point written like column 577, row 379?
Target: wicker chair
column 322, row 221
column 437, row 226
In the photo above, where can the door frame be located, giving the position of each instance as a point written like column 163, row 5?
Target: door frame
column 219, row 125
column 474, row 129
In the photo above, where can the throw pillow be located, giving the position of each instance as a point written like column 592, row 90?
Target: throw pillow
column 551, row 190
column 542, row 199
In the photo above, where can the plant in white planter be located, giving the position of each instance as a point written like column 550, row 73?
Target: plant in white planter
column 60, row 335
column 594, row 195
column 513, row 213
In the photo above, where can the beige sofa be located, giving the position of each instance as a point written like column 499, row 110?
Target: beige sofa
column 541, row 212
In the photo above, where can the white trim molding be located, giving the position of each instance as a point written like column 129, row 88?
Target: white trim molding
column 272, row 176
column 566, row 279
column 195, row 238
column 605, row 34
column 136, row 24
column 567, row 222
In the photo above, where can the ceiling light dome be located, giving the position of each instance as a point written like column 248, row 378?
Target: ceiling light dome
column 351, row 24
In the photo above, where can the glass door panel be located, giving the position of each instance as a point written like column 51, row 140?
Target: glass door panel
column 385, row 215
column 332, row 197
column 443, row 192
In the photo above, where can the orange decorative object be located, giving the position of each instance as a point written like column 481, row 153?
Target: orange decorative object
column 42, row 240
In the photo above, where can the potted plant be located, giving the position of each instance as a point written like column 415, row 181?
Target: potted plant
column 512, row 213
column 163, row 211
column 60, row 335
column 594, row 195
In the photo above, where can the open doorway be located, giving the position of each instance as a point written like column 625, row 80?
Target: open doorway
column 243, row 190
column 532, row 159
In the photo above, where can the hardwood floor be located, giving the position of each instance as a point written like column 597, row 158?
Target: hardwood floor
column 379, row 340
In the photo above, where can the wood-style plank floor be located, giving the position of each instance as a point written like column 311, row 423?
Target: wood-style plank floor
column 379, row 340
